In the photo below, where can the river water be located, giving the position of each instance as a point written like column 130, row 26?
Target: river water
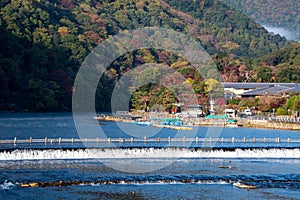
column 145, row 170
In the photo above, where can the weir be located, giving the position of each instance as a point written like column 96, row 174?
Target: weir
column 109, row 154
column 47, row 140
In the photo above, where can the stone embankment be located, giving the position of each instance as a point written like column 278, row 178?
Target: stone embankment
column 269, row 124
column 247, row 123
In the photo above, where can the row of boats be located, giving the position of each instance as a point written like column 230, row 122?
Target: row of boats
column 172, row 123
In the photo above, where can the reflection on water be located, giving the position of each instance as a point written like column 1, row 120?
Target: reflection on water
column 61, row 125
column 197, row 174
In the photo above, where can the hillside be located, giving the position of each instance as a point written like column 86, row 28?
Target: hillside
column 44, row 42
column 274, row 13
column 280, row 66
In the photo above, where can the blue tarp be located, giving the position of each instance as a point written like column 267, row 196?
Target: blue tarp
column 216, row 117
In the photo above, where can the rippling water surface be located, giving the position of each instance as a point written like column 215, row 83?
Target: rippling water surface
column 188, row 172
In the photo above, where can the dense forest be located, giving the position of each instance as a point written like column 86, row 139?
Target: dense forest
column 43, row 44
column 275, row 13
column 280, row 66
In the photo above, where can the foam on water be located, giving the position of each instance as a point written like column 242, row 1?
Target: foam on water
column 9, row 185
column 263, row 181
column 56, row 154
column 6, row 185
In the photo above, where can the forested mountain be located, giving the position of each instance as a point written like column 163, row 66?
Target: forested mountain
column 280, row 66
column 274, row 13
column 44, row 42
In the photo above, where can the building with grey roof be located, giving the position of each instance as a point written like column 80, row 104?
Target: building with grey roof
column 248, row 90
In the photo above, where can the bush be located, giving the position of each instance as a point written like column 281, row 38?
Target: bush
column 234, row 101
column 281, row 111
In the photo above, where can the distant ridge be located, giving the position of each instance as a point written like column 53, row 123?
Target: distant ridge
column 273, row 13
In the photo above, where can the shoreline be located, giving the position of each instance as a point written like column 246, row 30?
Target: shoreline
column 267, row 124
column 242, row 123
column 246, row 123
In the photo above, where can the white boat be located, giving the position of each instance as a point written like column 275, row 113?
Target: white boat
column 142, row 122
column 244, row 186
column 231, row 125
column 182, row 128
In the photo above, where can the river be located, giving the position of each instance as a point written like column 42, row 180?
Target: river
column 150, row 169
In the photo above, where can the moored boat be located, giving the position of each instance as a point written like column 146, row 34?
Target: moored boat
column 244, row 186
column 142, row 122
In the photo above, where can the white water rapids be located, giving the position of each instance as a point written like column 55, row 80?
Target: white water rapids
column 55, row 154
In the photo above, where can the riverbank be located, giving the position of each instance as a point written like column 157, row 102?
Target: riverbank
column 246, row 123
column 241, row 122
column 269, row 124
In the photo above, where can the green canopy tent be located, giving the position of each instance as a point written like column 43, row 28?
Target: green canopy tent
column 216, row 117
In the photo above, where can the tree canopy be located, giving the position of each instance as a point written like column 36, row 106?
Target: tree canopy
column 43, row 44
